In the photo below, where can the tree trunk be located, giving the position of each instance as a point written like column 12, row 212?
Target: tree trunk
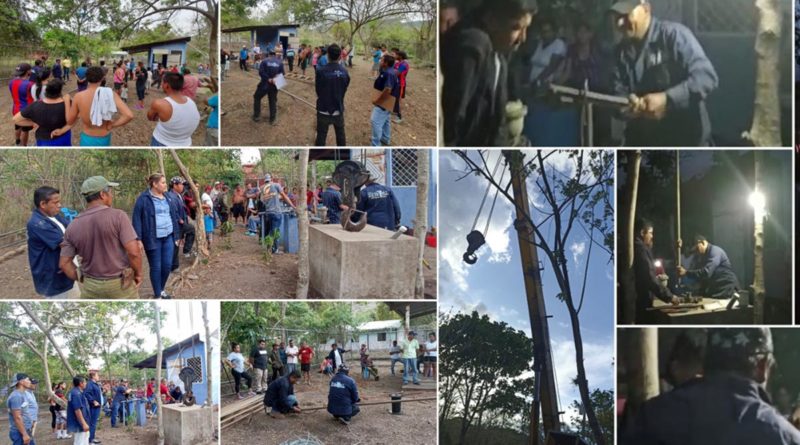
column 46, row 331
column 758, row 248
column 213, row 50
column 421, row 220
column 200, row 231
column 47, row 380
column 159, row 360
column 766, row 127
column 160, row 156
column 302, row 222
column 209, row 374
column 283, row 321
column 642, row 352
column 628, row 282
column 314, row 188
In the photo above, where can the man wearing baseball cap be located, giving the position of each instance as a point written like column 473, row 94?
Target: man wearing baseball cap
column 272, row 195
column 186, row 232
column 19, row 418
column 410, row 346
column 20, row 88
column 474, row 60
column 727, row 405
column 663, row 70
column 111, row 253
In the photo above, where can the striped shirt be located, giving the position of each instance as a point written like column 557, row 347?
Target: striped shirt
column 20, row 93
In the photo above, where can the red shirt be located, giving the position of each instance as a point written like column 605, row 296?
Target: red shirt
column 164, row 389
column 149, row 390
column 305, row 355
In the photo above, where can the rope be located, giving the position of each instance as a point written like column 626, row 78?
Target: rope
column 485, row 195
column 496, row 193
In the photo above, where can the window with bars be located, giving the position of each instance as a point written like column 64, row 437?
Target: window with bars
column 381, row 336
column 196, row 363
column 404, row 167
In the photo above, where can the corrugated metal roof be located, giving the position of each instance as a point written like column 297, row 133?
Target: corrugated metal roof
column 381, row 325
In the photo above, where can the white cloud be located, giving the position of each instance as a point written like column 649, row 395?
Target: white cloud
column 597, row 361
column 577, row 249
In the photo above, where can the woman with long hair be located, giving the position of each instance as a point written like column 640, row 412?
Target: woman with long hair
column 155, row 221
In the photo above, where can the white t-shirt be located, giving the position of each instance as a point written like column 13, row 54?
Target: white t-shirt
column 206, row 199
column 431, row 345
column 291, row 354
column 58, row 223
column 541, row 58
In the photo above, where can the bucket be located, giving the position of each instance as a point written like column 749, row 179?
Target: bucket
column 396, row 397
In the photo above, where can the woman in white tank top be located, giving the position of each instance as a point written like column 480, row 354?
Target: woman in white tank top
column 177, row 131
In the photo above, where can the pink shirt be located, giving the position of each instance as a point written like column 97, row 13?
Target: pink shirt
column 119, row 75
column 190, row 84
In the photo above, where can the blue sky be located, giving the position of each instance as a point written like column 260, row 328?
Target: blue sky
column 494, row 285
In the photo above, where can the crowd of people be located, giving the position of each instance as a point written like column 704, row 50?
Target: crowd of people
column 330, row 65
column 111, row 245
column 41, row 104
column 275, row 372
column 75, row 413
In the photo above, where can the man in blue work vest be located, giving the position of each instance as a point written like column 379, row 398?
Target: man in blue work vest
column 663, row 70
column 268, row 70
column 46, row 228
column 94, row 398
column 380, row 204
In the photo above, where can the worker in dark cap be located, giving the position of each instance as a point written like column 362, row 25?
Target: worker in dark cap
column 343, row 396
column 474, row 60
column 649, row 285
column 19, row 415
column 712, row 269
column 728, row 405
column 663, row 70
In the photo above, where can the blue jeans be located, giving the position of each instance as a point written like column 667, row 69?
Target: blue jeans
column 273, row 221
column 117, row 410
column 155, row 143
column 252, row 224
column 410, row 367
column 292, row 402
column 394, row 360
column 291, row 367
column 94, row 416
column 381, row 127
column 16, row 438
column 160, row 261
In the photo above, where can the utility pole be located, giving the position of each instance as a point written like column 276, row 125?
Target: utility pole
column 545, row 395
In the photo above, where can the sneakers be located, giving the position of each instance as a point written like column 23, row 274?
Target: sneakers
column 251, row 394
column 397, row 120
column 344, row 421
column 255, row 118
column 417, row 382
column 240, row 396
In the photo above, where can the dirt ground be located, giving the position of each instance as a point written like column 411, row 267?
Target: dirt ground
column 235, row 270
column 374, row 425
column 296, row 122
column 136, row 133
column 147, row 435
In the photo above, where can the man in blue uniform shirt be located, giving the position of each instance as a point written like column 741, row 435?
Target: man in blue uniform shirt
column 727, row 405
column 387, row 87
column 667, row 77
column 331, row 82
column 46, row 228
column 19, row 415
column 78, row 412
column 332, row 200
column 343, row 396
column 268, row 70
column 243, row 59
column 380, row 204
column 712, row 269
column 118, row 403
column 94, row 398
column 280, row 395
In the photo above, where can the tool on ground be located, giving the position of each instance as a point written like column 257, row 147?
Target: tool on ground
column 400, row 230
column 350, row 176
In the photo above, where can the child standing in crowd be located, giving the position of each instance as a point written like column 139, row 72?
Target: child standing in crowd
column 208, row 222
column 376, row 61
column 402, row 67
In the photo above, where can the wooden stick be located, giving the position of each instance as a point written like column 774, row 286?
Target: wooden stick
column 13, row 253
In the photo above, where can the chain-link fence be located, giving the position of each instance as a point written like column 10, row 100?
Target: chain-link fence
column 404, row 167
